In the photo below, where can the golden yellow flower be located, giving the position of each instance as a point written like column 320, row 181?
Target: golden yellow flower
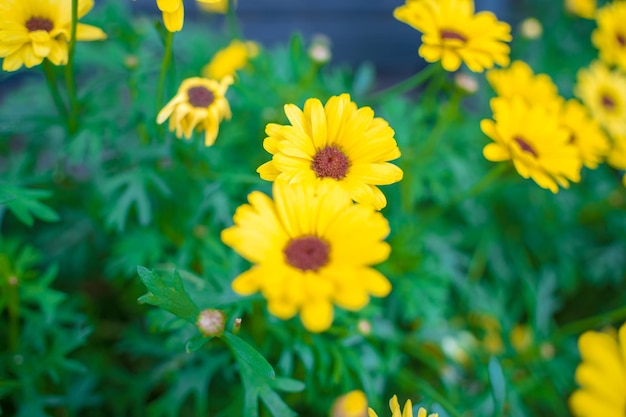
column 581, row 8
column 337, row 141
column 610, row 36
column 532, row 137
column 585, row 133
column 213, row 6
column 604, row 93
column 407, row 411
column 199, row 104
column 452, row 33
column 229, row 60
column 173, row 14
column 601, row 375
column 617, row 155
column 312, row 247
column 33, row 30
column 520, row 80
column 352, row 404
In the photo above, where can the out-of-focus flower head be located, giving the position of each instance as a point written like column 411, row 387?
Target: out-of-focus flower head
column 227, row 61
column 173, row 14
column 582, row 8
column 214, row 6
column 407, row 411
column 610, row 36
column 352, row 404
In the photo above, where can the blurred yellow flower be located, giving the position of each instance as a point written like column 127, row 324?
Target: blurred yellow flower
column 213, row 6
column 601, row 375
column 604, row 93
column 173, row 14
column 352, row 404
column 33, row 30
column 581, row 8
column 610, row 36
column 452, row 33
column 534, row 140
column 199, row 104
column 585, row 133
column 407, row 411
column 229, row 60
column 520, row 80
column 312, row 247
column 337, row 141
column 521, row 337
column 617, row 155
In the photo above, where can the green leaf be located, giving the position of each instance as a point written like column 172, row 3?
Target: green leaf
column 247, row 354
column 285, row 384
column 196, row 343
column 167, row 292
column 25, row 205
column 498, row 386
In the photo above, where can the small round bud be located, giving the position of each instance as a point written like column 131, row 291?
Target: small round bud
column 547, row 351
column 466, row 82
column 365, row 327
column 13, row 281
column 531, row 28
column 352, row 404
column 319, row 51
column 131, row 62
column 211, row 322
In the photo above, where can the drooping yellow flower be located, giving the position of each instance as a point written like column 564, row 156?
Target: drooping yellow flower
column 585, row 133
column 352, row 404
column 582, row 8
column 33, row 30
column 617, row 155
column 601, row 375
column 520, row 80
column 604, row 93
column 312, row 247
column 337, row 141
column 199, row 104
column 173, row 14
column 532, row 137
column 453, row 33
column 229, row 60
column 407, row 411
column 610, row 36
column 213, row 6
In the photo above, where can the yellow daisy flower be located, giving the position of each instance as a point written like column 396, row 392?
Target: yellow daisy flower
column 407, row 411
column 520, row 80
column 585, row 133
column 199, row 104
column 604, row 93
column 534, row 140
column 582, row 8
column 229, row 60
column 312, row 247
column 173, row 14
column 337, row 141
column 610, row 36
column 213, row 6
column 601, row 375
column 352, row 404
column 33, row 30
column 452, row 33
column 617, row 155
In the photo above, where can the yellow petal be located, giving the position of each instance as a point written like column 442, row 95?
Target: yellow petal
column 89, row 33
column 317, row 315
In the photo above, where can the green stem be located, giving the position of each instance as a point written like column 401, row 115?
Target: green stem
column 165, row 64
column 442, row 123
column 588, row 323
column 14, row 313
column 406, row 85
column 488, row 179
column 232, row 21
column 54, row 89
column 70, row 79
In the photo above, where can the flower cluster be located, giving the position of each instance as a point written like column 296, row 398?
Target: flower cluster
column 312, row 246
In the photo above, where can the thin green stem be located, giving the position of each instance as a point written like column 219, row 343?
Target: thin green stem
column 13, row 307
column 588, row 323
column 165, row 64
column 233, row 21
column 70, row 78
column 494, row 174
column 48, row 70
column 407, row 85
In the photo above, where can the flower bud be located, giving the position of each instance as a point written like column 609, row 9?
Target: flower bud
column 211, row 322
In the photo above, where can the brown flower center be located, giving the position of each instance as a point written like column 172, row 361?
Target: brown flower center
column 525, row 146
column 608, row 102
column 307, row 253
column 450, row 34
column 200, row 96
column 39, row 23
column 621, row 39
column 330, row 162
